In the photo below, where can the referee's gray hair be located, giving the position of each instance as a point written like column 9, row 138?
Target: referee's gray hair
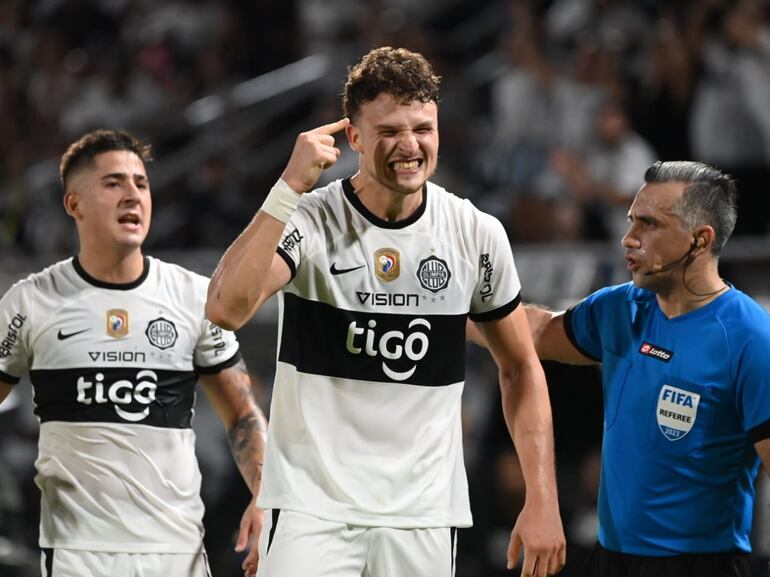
column 709, row 197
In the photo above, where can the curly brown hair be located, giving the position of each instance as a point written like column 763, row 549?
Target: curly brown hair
column 405, row 75
column 81, row 152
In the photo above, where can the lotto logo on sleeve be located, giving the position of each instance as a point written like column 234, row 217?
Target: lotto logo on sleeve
column 676, row 412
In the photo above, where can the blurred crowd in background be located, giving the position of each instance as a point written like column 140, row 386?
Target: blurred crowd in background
column 551, row 110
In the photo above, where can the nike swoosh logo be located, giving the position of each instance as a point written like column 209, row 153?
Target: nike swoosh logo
column 64, row 336
column 335, row 271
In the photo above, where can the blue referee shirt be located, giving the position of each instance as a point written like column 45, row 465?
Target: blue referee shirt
column 684, row 401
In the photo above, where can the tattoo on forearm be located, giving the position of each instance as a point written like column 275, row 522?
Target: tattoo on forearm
column 247, row 435
column 247, row 443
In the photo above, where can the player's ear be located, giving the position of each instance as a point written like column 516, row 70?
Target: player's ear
column 354, row 137
column 71, row 203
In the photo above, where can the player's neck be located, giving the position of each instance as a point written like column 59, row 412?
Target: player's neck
column 113, row 268
column 385, row 203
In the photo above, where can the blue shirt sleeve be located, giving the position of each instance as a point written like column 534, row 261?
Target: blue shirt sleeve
column 752, row 370
column 582, row 324
column 602, row 320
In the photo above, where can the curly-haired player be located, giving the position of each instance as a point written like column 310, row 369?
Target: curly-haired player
column 378, row 274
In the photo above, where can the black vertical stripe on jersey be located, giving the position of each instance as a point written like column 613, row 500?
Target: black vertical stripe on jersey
column 452, row 541
column 314, row 340
column 275, row 514
column 48, row 563
column 56, row 396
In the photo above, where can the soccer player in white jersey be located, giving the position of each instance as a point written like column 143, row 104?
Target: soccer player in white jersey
column 114, row 342
column 378, row 275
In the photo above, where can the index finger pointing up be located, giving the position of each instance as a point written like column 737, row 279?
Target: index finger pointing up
column 333, row 127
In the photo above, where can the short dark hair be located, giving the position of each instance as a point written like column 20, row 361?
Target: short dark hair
column 405, row 75
column 82, row 152
column 709, row 197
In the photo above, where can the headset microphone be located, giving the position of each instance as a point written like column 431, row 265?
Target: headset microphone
column 688, row 254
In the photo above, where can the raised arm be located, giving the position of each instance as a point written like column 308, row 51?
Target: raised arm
column 527, row 411
column 550, row 336
column 250, row 272
column 230, row 392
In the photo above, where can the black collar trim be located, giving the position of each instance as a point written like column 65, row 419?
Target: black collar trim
column 351, row 195
column 112, row 285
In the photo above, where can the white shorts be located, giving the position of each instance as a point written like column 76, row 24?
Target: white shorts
column 297, row 545
column 74, row 563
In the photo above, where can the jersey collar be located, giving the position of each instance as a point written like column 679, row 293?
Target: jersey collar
column 111, row 285
column 352, row 197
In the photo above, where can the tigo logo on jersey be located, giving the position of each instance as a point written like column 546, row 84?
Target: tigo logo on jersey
column 391, row 345
column 433, row 274
column 655, row 352
column 123, row 394
column 387, row 264
column 161, row 333
column 117, row 323
column 676, row 412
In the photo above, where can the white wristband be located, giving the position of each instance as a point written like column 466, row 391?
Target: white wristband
column 281, row 201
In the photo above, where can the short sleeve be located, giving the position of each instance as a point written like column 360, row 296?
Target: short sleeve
column 293, row 242
column 498, row 289
column 216, row 349
column 582, row 323
column 15, row 321
column 753, row 384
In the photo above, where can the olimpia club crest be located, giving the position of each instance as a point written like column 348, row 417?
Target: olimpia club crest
column 433, row 274
column 161, row 333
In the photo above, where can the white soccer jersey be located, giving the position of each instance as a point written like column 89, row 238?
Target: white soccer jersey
column 114, row 369
column 365, row 420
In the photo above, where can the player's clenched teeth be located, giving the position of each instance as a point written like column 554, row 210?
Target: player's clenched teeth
column 405, row 164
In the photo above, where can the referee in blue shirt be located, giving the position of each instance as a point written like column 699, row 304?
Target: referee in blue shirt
column 686, row 376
